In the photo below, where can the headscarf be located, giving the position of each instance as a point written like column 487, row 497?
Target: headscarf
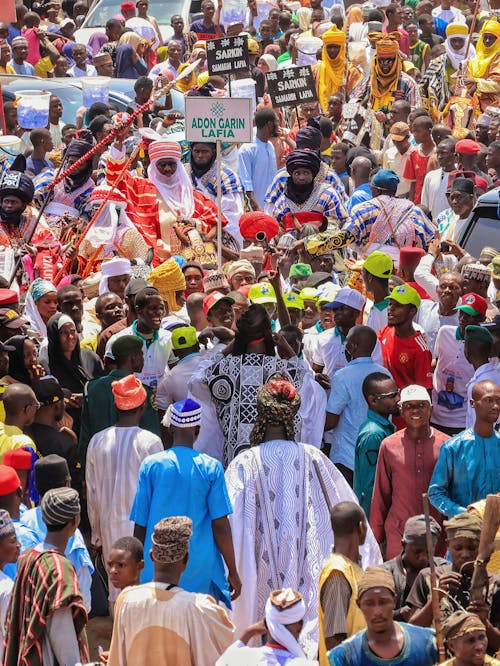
column 303, row 15
column 270, row 61
column 97, row 40
column 126, row 68
column 285, row 607
column 130, row 39
column 77, row 149
column 331, row 73
column 277, row 404
column 38, row 288
column 168, row 279
column 354, row 15
column 16, row 360
column 383, row 85
column 478, row 66
column 296, row 159
column 175, row 190
column 457, row 31
column 70, row 373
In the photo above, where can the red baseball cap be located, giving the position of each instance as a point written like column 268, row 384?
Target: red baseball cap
column 473, row 304
column 213, row 298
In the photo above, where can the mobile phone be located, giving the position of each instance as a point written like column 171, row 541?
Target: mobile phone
column 445, row 247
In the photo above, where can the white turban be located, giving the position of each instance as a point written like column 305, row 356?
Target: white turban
column 277, row 618
column 113, row 268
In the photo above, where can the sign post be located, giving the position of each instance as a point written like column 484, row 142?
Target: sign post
column 216, row 120
column 291, row 86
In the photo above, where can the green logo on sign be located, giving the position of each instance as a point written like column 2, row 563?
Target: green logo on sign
column 218, row 126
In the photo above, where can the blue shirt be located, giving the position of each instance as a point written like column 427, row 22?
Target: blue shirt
column 27, row 539
column 468, row 468
column 346, row 398
column 184, row 482
column 370, row 435
column 24, row 69
column 360, row 195
column 36, row 165
column 419, row 649
column 257, row 167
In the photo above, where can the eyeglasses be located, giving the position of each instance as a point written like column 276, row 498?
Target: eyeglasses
column 392, row 394
column 414, row 405
column 37, row 405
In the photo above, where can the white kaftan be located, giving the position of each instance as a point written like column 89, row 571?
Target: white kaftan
column 281, row 527
column 113, row 460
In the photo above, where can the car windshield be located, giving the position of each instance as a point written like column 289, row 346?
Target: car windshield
column 162, row 10
column 483, row 230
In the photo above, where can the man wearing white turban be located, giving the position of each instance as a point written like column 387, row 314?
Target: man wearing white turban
column 285, row 610
column 115, row 276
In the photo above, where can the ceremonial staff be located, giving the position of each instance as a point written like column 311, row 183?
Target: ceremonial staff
column 61, row 175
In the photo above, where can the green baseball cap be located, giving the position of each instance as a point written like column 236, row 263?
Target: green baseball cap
column 405, row 295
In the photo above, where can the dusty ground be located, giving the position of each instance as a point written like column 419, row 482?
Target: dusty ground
column 99, row 633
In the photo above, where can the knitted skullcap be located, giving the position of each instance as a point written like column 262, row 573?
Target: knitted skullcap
column 60, row 506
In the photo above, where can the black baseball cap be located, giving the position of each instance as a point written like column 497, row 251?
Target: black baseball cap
column 48, row 391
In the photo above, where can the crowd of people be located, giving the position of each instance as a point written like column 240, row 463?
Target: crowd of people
column 292, row 455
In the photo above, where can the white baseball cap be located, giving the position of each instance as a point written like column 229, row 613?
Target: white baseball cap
column 347, row 296
column 413, row 393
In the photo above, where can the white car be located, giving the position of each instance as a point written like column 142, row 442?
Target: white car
column 103, row 10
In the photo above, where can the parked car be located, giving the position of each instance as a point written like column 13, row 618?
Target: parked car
column 102, row 10
column 121, row 92
column 483, row 226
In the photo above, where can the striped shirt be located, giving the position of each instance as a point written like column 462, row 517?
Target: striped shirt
column 326, row 174
column 364, row 215
column 405, row 83
column 230, row 182
column 327, row 203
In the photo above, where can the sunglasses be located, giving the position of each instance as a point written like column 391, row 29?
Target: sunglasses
column 414, row 405
column 392, row 394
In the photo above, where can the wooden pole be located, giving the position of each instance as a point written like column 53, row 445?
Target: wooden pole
column 436, row 608
column 472, row 27
column 219, row 206
column 2, row 114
